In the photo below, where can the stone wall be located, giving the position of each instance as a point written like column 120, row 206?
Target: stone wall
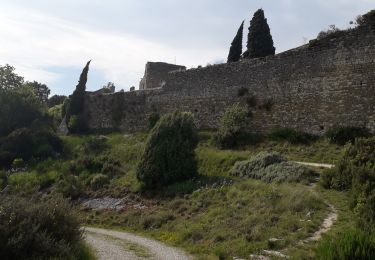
column 156, row 73
column 313, row 88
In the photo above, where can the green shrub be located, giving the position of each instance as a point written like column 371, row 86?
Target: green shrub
column 231, row 127
column 343, row 135
column 169, row 154
column 272, row 167
column 98, row 181
column 353, row 244
column 152, row 120
column 18, row 163
column 356, row 172
column 70, row 187
column 292, row 136
column 32, row 228
column 25, row 143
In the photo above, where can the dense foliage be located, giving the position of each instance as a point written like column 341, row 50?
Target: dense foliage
column 343, row 135
column 56, row 100
column 169, row 154
column 272, row 167
column 231, row 127
column 235, row 50
column 34, row 228
column 356, row 172
column 40, row 90
column 259, row 42
column 292, row 136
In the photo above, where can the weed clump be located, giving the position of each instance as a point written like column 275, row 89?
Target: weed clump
column 272, row 167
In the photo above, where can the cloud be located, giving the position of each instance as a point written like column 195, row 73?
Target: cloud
column 36, row 41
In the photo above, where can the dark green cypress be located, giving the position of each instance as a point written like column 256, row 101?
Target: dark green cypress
column 78, row 96
column 236, row 46
column 259, row 43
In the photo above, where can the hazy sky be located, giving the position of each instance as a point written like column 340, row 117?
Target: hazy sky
column 51, row 40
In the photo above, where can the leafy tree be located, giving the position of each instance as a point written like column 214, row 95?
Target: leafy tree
column 40, row 90
column 236, row 46
column 18, row 108
column 169, row 154
column 9, row 79
column 56, row 100
column 259, row 42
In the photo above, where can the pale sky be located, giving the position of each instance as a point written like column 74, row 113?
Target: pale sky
column 51, row 40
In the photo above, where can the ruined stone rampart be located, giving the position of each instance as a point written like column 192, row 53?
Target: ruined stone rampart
column 313, row 88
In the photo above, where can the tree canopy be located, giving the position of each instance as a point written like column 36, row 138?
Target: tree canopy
column 259, row 42
column 236, row 46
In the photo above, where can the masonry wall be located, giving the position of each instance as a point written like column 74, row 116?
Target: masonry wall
column 312, row 88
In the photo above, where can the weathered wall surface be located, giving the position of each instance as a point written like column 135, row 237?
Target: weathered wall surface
column 313, row 88
column 156, row 74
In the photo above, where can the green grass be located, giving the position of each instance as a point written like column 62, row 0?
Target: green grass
column 225, row 219
column 214, row 215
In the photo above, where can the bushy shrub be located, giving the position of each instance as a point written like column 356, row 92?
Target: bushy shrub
column 356, row 172
column 272, row 167
column 169, row 154
column 343, row 135
column 98, row 181
column 353, row 244
column 33, row 228
column 292, row 136
column 231, row 127
column 70, row 186
column 25, row 143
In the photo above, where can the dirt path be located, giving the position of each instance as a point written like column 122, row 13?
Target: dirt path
column 113, row 245
column 319, row 165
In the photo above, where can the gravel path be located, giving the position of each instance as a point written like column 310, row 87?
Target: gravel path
column 114, row 245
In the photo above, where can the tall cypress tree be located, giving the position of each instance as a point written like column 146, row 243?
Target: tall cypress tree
column 236, row 46
column 259, row 42
column 78, row 96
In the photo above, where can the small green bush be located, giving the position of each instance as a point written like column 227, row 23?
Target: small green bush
column 70, row 187
column 169, row 155
column 231, row 127
column 34, row 228
column 272, row 167
column 292, row 136
column 343, row 135
column 98, row 181
column 353, row 244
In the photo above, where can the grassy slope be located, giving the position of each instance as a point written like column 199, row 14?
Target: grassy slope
column 215, row 215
